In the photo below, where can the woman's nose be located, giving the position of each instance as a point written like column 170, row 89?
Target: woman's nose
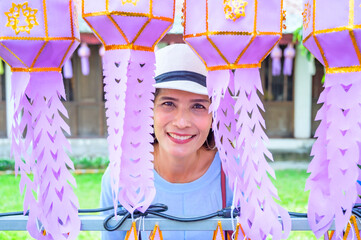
column 182, row 119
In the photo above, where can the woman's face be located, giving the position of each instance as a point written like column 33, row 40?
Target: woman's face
column 181, row 121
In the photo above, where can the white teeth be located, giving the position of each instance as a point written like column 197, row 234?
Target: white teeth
column 180, row 137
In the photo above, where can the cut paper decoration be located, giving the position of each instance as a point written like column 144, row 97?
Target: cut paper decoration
column 35, row 44
column 129, row 33
column 276, row 55
column 156, row 234
column 84, row 54
column 132, row 233
column 289, row 54
column 68, row 69
column 232, row 51
column 331, row 35
column 218, row 234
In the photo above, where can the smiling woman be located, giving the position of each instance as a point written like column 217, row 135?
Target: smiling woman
column 187, row 168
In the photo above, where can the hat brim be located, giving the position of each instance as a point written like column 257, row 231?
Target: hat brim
column 183, row 85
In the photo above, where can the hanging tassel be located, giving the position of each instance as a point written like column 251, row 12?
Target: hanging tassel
column 289, row 55
column 54, row 209
column 129, row 94
column 259, row 211
column 115, row 72
column 137, row 178
column 338, row 155
column 84, row 54
column 276, row 55
column 68, row 69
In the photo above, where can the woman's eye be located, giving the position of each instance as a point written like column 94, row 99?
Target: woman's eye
column 199, row 106
column 168, row 104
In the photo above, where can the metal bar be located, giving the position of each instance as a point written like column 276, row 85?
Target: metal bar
column 95, row 223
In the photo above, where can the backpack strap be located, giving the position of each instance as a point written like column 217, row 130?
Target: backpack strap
column 227, row 234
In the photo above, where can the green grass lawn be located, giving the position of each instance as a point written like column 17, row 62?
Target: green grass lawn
column 290, row 185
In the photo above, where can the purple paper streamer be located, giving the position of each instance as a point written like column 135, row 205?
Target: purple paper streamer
column 289, row 54
column 136, row 178
column 55, row 208
column 240, row 138
column 276, row 55
column 130, row 90
column 115, row 72
column 334, row 172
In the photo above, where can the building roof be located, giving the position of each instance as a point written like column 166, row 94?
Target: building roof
column 293, row 17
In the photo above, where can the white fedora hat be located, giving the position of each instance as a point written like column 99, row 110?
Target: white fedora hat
column 178, row 67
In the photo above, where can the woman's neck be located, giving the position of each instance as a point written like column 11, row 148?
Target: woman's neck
column 182, row 170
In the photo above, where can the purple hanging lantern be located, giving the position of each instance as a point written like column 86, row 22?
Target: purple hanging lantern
column 36, row 44
column 232, row 37
column 332, row 35
column 129, row 31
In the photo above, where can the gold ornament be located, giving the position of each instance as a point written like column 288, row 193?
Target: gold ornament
column 234, row 9
column 21, row 18
column 306, row 15
column 132, row 233
column 284, row 19
column 134, row 2
column 218, row 233
column 156, row 233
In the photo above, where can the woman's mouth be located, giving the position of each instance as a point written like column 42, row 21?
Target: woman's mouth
column 180, row 138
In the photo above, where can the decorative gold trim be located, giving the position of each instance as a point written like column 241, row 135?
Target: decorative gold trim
column 45, row 19
column 119, row 29
column 94, row 31
column 66, row 53
column 38, row 54
column 160, row 38
column 107, row 5
column 343, row 69
column 207, row 17
column 217, row 49
column 230, row 33
column 71, row 17
column 41, row 38
column 204, row 62
column 268, row 52
column 233, row 66
column 13, row 54
column 245, row 49
column 47, row 69
column 304, row 40
column 141, row 30
column 321, row 51
column 281, row 23
column 128, row 14
column 354, row 43
column 128, row 46
column 330, row 30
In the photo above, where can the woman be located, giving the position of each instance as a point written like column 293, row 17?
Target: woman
column 187, row 167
